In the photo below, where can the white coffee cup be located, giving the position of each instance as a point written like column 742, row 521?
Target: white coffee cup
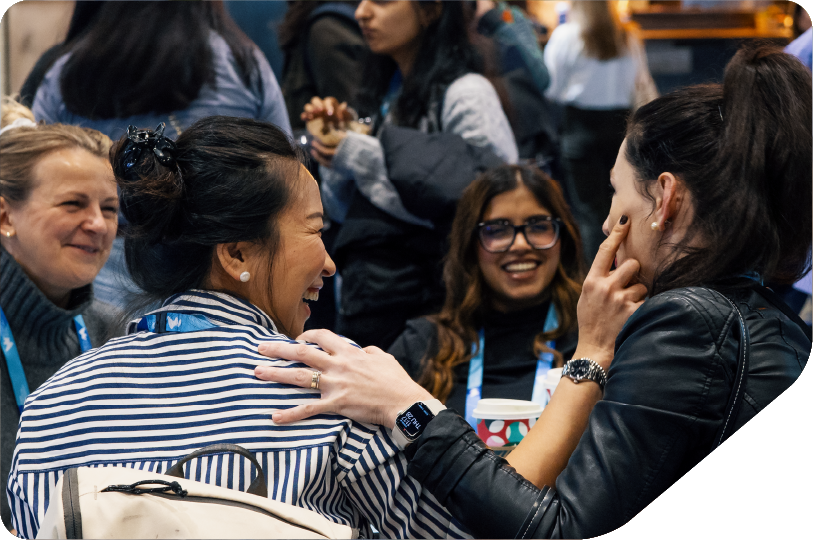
column 550, row 382
column 502, row 423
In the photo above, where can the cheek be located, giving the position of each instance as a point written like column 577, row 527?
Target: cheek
column 488, row 264
column 551, row 265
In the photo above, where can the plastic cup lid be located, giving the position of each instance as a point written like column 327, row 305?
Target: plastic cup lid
column 554, row 375
column 506, row 409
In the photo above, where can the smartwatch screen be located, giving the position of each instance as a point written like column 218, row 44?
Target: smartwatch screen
column 413, row 421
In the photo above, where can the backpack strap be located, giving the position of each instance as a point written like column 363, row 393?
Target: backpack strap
column 70, row 504
column 258, row 485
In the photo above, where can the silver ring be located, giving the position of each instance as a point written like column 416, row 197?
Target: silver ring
column 315, row 380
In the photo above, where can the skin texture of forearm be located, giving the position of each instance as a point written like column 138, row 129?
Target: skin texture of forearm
column 545, row 451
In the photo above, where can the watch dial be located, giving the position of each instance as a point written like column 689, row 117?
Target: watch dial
column 413, row 421
column 580, row 369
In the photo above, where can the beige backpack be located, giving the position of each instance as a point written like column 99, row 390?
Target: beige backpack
column 116, row 502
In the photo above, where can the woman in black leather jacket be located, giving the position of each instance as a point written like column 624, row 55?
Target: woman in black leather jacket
column 712, row 194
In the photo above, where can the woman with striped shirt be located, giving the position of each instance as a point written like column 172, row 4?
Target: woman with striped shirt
column 225, row 226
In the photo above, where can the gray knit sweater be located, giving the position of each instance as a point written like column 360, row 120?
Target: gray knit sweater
column 46, row 339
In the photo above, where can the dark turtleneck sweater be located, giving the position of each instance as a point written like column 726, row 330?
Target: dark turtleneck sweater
column 509, row 363
column 46, row 339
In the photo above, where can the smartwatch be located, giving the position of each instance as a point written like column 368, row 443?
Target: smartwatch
column 411, row 422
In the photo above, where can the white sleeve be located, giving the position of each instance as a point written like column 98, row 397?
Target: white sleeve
column 556, row 60
column 472, row 110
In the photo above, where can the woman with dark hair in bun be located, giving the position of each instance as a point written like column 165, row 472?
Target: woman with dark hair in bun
column 679, row 344
column 225, row 229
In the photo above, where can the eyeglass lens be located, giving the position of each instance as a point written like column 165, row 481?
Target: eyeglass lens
column 498, row 237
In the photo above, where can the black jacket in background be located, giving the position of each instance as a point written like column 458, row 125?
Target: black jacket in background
column 664, row 403
column 391, row 270
column 509, row 363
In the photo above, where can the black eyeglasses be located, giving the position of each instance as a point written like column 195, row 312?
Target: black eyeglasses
column 541, row 232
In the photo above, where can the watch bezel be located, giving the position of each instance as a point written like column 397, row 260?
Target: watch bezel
column 420, row 414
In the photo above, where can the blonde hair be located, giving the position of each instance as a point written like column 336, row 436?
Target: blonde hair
column 21, row 148
column 11, row 111
column 604, row 37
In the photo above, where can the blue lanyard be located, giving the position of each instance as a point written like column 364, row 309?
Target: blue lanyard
column 166, row 321
column 15, row 366
column 392, row 92
column 474, row 386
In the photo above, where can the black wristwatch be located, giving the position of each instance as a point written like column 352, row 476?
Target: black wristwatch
column 585, row 369
column 410, row 423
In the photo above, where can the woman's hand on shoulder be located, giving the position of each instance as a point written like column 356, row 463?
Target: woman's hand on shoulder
column 366, row 385
column 609, row 297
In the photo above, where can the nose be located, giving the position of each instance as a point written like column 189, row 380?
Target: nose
column 520, row 243
column 95, row 221
column 330, row 267
column 363, row 10
column 605, row 227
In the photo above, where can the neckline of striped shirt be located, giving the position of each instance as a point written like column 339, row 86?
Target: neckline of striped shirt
column 219, row 307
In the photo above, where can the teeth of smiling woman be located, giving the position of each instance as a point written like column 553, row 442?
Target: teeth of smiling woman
column 520, row 267
column 312, row 296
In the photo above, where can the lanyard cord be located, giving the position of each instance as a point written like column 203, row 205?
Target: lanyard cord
column 474, row 385
column 16, row 372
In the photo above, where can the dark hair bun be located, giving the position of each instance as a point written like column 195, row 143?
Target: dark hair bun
column 224, row 180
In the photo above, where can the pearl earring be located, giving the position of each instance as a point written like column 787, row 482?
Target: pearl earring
column 8, row 234
column 245, row 276
column 654, row 226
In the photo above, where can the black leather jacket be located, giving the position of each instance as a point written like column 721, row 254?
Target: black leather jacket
column 665, row 399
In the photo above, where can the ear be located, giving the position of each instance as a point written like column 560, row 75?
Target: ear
column 235, row 258
column 669, row 200
column 430, row 13
column 6, row 222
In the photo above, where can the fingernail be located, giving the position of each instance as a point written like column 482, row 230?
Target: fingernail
column 263, row 348
column 276, row 417
column 623, row 220
column 259, row 370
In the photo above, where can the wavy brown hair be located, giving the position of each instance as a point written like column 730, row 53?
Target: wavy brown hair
column 467, row 297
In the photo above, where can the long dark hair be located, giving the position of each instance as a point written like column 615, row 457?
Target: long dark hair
column 743, row 150
column 446, row 53
column 233, row 179
column 148, row 57
column 467, row 297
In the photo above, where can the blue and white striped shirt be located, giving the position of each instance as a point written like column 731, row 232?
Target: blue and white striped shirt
column 147, row 399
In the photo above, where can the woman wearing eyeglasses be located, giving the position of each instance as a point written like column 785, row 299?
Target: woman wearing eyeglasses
column 513, row 277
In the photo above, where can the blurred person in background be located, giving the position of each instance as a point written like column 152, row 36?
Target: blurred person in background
column 431, row 111
column 82, row 17
column 58, row 219
column 598, row 73
column 521, row 78
column 188, row 60
column 513, row 277
column 324, row 54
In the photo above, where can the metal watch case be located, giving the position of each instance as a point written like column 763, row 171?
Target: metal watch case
column 585, row 369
